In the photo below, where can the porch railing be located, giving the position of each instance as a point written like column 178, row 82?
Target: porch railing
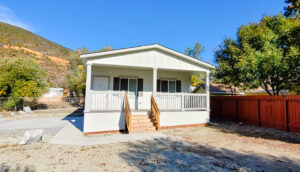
column 155, row 113
column 181, row 101
column 127, row 114
column 105, row 101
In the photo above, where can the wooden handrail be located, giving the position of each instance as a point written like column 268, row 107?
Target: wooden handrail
column 127, row 114
column 155, row 113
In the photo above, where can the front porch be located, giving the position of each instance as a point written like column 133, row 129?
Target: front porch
column 116, row 96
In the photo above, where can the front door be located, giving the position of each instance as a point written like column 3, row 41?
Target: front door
column 132, row 93
column 130, row 86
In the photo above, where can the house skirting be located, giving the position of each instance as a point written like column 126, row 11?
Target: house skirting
column 111, row 122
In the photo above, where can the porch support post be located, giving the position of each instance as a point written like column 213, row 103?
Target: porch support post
column 154, row 81
column 88, row 87
column 207, row 92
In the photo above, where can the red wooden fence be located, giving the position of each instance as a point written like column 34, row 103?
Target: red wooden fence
column 279, row 112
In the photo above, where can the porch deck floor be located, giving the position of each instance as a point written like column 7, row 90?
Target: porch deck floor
column 70, row 135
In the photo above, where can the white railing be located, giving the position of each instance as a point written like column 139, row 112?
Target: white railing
column 181, row 101
column 105, row 101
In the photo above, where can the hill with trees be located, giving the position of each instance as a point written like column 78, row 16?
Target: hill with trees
column 16, row 42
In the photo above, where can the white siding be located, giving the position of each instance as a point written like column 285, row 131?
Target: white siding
column 148, row 59
column 110, row 121
column 106, row 121
column 183, row 118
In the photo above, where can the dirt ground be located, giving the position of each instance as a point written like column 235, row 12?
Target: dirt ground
column 52, row 113
column 222, row 146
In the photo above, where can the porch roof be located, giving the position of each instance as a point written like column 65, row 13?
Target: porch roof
column 99, row 55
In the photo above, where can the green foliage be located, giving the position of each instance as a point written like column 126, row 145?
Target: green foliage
column 20, row 77
column 75, row 79
column 293, row 8
column 264, row 54
column 106, row 48
column 198, row 79
column 195, row 52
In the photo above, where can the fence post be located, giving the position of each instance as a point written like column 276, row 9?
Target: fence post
column 236, row 110
column 221, row 110
column 286, row 111
column 258, row 109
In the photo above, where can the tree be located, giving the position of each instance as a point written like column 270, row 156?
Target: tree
column 264, row 54
column 106, row 48
column 21, row 77
column 195, row 52
column 75, row 79
column 293, row 8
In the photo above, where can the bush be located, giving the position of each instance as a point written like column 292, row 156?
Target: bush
column 21, row 78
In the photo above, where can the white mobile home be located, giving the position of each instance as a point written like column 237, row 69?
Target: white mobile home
column 142, row 88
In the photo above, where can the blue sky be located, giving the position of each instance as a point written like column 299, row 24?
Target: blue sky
column 120, row 24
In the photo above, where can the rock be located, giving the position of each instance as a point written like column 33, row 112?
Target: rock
column 20, row 112
column 31, row 136
column 12, row 113
column 27, row 109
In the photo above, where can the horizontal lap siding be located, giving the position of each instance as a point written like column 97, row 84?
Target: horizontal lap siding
column 278, row 112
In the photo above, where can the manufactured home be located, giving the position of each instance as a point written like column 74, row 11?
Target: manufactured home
column 143, row 89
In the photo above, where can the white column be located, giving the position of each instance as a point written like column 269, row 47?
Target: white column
column 154, row 81
column 88, row 87
column 207, row 92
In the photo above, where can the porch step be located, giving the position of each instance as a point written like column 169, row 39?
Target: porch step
column 142, row 123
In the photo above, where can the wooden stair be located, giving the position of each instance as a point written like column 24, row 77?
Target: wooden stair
column 142, row 123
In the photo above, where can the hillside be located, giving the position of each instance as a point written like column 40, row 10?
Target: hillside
column 18, row 42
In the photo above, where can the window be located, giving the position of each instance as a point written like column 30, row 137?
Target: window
column 132, row 85
column 100, row 83
column 169, row 86
column 172, row 87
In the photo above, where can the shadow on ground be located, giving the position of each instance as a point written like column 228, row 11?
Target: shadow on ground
column 177, row 155
column 254, row 131
column 76, row 118
column 6, row 168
